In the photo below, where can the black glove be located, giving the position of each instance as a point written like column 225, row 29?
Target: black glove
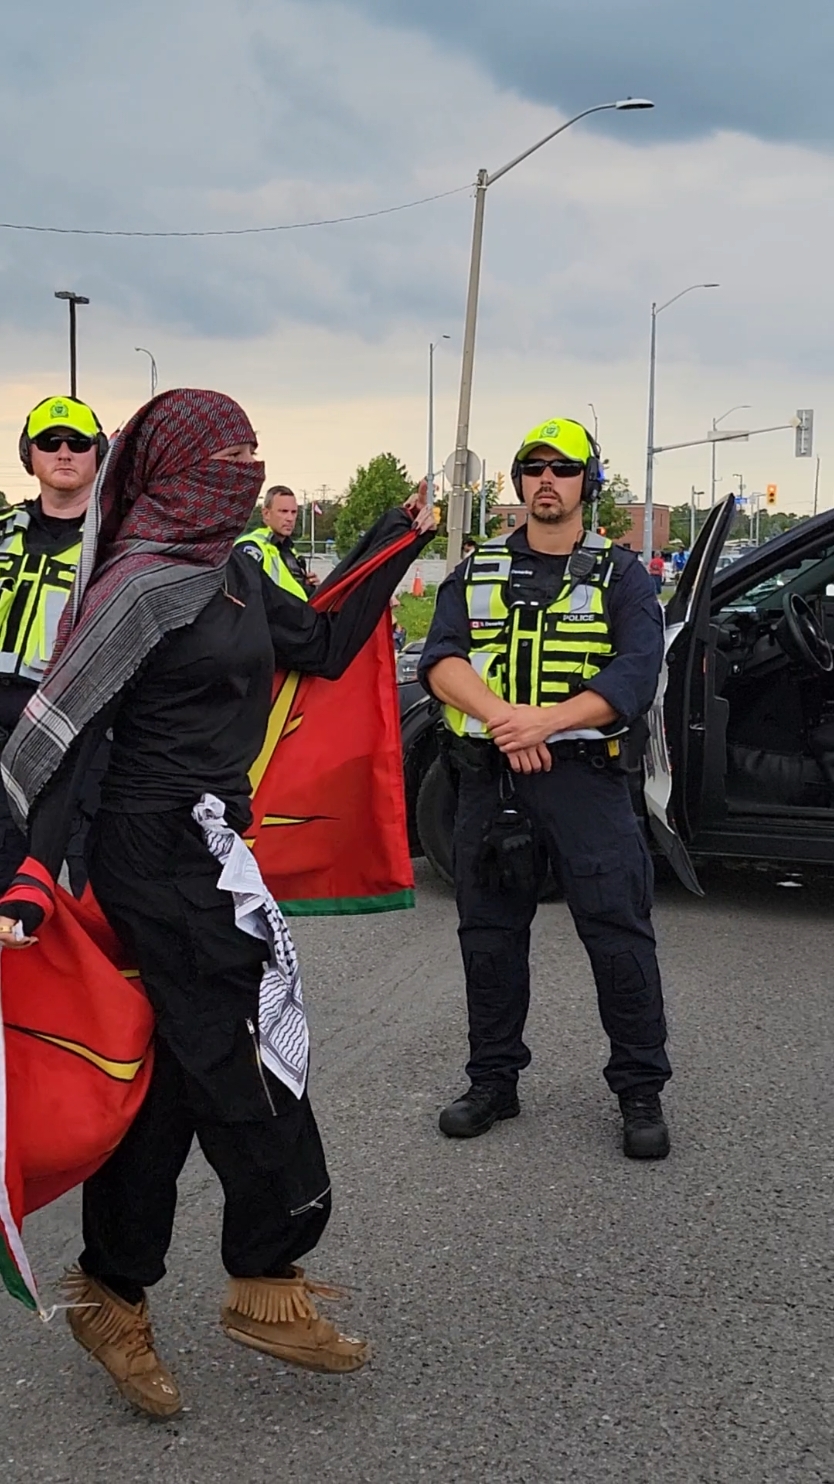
column 507, row 859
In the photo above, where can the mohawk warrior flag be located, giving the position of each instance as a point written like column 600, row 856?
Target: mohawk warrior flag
column 330, row 835
column 329, row 827
column 75, row 1061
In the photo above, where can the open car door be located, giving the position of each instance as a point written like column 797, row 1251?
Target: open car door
column 673, row 724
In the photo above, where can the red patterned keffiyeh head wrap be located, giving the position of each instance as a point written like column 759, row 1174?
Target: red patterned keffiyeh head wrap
column 161, row 525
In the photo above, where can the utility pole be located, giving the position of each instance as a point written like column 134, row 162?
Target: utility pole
column 740, row 478
column 482, row 523
column 324, row 489
column 693, row 515
column 817, row 485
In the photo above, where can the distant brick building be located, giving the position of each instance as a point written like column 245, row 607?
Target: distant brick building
column 633, row 538
column 514, row 515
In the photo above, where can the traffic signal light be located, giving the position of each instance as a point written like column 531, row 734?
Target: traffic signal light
column 772, row 492
column 499, row 482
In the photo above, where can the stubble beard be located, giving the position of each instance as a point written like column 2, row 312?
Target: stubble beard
column 550, row 515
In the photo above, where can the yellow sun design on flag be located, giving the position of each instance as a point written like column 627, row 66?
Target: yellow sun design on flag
column 279, row 726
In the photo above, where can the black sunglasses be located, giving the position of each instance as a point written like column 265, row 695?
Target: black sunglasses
column 562, row 468
column 52, row 442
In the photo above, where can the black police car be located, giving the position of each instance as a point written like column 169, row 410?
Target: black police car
column 739, row 761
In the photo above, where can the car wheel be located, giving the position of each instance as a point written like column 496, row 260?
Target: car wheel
column 436, row 808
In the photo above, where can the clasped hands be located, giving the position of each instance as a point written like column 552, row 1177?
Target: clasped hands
column 520, row 732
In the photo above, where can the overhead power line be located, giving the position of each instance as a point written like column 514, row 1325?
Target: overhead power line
column 329, row 221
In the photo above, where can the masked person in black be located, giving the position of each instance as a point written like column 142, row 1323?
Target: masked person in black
column 62, row 446
column 172, row 639
column 544, row 649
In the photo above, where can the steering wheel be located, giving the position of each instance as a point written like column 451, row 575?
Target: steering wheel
column 806, row 637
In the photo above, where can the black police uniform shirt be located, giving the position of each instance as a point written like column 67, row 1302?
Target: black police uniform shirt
column 628, row 683
column 194, row 719
column 47, row 535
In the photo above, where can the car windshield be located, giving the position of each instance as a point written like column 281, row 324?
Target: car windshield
column 808, row 575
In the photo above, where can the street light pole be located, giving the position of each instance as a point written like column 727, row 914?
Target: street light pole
column 430, row 462
column 716, row 420
column 154, row 376
column 484, row 180
column 72, row 299
column 648, row 509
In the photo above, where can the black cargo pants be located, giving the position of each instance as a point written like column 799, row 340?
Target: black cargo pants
column 585, row 826
column 156, row 882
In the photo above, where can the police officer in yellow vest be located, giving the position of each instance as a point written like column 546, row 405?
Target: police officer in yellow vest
column 272, row 544
column 545, row 648
column 61, row 445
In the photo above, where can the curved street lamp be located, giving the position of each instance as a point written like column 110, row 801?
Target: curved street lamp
column 154, row 377
column 648, row 510
column 716, row 420
column 484, row 181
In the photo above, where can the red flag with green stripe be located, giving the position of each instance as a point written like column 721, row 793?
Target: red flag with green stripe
column 75, row 1062
column 329, row 819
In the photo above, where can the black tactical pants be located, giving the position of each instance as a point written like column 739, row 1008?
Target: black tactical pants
column 585, row 826
column 157, row 884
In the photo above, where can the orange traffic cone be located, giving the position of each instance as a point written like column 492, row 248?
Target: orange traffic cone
column 417, row 584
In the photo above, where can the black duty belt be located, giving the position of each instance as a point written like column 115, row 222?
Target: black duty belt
column 595, row 750
column 476, row 755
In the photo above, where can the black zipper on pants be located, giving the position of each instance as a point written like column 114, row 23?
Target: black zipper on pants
column 260, row 1066
column 313, row 1205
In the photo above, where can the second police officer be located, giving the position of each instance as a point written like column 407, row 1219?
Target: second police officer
column 545, row 647
column 61, row 445
column 272, row 544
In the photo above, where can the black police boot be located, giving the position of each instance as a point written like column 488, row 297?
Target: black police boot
column 483, row 1105
column 645, row 1135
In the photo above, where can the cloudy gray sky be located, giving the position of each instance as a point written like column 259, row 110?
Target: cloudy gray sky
column 216, row 114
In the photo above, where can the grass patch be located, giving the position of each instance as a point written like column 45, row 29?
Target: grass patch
column 415, row 614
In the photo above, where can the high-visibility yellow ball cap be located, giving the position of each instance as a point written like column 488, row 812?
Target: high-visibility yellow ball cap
column 567, row 437
column 62, row 412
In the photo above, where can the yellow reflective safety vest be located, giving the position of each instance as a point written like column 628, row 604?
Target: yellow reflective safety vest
column 274, row 565
column 33, row 591
column 536, row 656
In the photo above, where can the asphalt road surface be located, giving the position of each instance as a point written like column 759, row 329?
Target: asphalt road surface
column 541, row 1310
